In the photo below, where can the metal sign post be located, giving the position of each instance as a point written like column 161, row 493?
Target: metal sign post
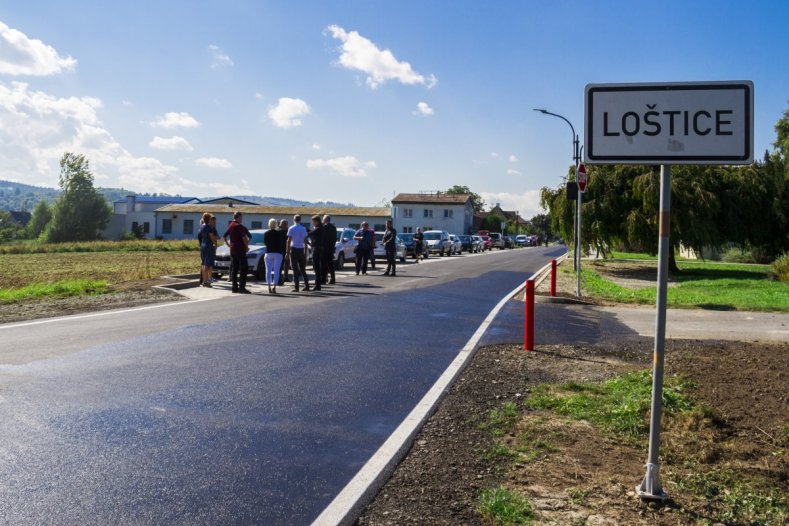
column 650, row 487
column 580, row 178
column 667, row 124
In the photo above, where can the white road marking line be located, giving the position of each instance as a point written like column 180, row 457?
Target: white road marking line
column 365, row 484
column 102, row 313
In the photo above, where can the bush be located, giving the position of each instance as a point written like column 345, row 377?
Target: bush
column 781, row 267
column 738, row 255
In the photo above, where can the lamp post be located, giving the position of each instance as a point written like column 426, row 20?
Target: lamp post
column 577, row 160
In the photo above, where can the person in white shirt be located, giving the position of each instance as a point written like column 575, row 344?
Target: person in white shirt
column 296, row 251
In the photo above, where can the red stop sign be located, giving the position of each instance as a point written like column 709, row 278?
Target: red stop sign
column 581, row 177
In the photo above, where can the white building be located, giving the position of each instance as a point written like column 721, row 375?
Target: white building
column 433, row 211
column 139, row 211
column 182, row 221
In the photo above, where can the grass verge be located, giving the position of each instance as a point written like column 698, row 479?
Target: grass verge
column 619, row 405
column 501, row 506
column 77, row 287
column 709, row 285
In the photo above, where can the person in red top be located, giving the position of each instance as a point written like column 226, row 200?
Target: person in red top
column 237, row 236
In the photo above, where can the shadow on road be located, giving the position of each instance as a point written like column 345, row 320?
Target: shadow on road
column 558, row 324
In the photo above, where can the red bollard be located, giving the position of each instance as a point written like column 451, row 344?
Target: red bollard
column 528, row 319
column 553, row 277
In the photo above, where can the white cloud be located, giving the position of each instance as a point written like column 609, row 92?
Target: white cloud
column 316, row 146
column 20, row 55
column 218, row 57
column 286, row 114
column 422, row 108
column 175, row 120
column 527, row 204
column 346, row 166
column 495, row 155
column 513, row 159
column 259, row 96
column 127, row 103
column 38, row 128
column 361, row 54
column 173, row 143
column 510, row 171
column 213, row 162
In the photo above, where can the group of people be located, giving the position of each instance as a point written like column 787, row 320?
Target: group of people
column 286, row 249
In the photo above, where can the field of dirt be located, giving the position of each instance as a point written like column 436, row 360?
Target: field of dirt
column 726, row 465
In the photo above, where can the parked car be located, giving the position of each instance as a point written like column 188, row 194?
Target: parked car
column 344, row 247
column 438, row 242
column 479, row 243
column 496, row 240
column 380, row 251
column 487, row 244
column 523, row 240
column 467, row 244
column 509, row 241
column 410, row 245
column 457, row 246
column 254, row 256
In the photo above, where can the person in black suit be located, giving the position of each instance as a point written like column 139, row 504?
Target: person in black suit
column 330, row 238
column 318, row 240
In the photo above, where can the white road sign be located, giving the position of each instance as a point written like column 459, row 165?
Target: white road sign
column 672, row 123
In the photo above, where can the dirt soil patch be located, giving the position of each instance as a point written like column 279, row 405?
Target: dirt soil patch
column 720, row 466
column 125, row 295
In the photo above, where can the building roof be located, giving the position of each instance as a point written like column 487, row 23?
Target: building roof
column 305, row 211
column 432, row 198
column 159, row 199
column 226, row 198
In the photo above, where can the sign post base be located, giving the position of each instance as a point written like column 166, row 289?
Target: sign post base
column 651, row 488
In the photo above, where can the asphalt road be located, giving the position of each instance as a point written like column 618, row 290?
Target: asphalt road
column 237, row 410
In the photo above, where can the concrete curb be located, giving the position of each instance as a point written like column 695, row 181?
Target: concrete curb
column 359, row 492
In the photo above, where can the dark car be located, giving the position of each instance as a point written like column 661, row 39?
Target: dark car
column 408, row 241
column 466, row 244
column 509, row 241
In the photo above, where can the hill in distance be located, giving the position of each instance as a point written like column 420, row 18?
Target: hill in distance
column 24, row 197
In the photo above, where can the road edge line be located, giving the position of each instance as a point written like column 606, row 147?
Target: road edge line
column 361, row 489
column 68, row 317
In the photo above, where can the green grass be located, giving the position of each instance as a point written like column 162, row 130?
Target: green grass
column 77, row 287
column 619, row 405
column 503, row 507
column 724, row 286
column 502, row 418
column 737, row 501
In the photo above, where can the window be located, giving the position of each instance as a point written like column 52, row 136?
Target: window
column 379, row 228
column 448, row 213
column 146, row 228
column 135, row 226
column 189, row 227
column 167, row 226
column 408, row 230
column 355, row 226
column 408, row 212
column 428, row 212
column 257, row 225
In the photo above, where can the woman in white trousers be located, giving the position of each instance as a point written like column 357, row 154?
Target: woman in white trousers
column 275, row 251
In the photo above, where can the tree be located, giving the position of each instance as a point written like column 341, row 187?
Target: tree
column 493, row 222
column 476, row 200
column 42, row 215
column 81, row 211
column 540, row 225
column 9, row 229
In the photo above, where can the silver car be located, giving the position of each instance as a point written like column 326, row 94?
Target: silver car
column 438, row 242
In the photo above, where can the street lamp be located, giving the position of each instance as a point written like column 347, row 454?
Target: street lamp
column 576, row 233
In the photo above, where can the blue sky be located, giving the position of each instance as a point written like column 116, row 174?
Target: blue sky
column 351, row 101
